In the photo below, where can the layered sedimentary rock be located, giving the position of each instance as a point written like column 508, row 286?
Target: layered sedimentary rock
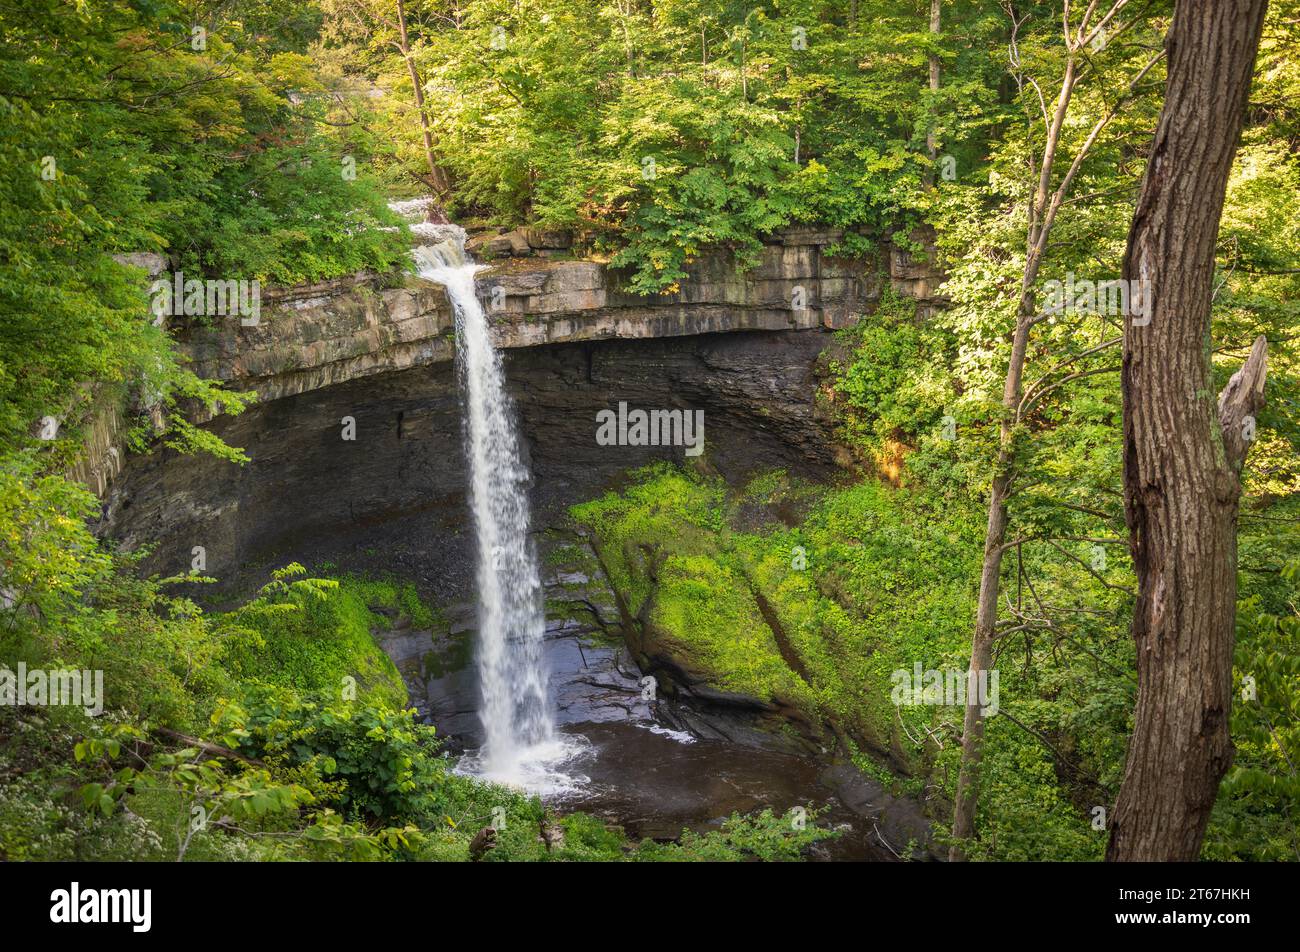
column 324, row 334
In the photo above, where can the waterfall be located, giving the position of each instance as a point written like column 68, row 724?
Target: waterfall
column 520, row 741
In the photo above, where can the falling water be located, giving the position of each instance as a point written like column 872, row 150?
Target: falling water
column 521, row 746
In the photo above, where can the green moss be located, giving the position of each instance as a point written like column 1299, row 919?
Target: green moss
column 872, row 579
column 821, row 610
column 398, row 596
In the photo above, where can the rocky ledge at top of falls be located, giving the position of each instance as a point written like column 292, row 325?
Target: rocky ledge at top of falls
column 320, row 335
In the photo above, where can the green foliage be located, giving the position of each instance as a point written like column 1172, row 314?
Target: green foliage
column 311, row 635
column 394, row 595
column 119, row 138
column 763, row 836
column 1255, row 815
column 869, row 581
column 314, row 775
column 306, row 222
column 366, row 760
column 897, row 401
column 716, row 164
column 665, row 540
column 657, row 133
column 666, row 129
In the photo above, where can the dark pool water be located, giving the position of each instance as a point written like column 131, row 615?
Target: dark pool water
column 634, row 770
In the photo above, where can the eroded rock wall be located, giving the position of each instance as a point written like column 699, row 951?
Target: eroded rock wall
column 327, row 334
column 393, row 498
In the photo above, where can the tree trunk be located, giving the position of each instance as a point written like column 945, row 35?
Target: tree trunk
column 986, row 617
column 931, row 141
column 1182, row 453
column 437, row 178
column 1041, row 218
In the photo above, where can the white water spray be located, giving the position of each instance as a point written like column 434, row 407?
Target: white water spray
column 520, row 742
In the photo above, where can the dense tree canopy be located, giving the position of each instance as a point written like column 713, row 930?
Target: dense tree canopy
column 261, row 139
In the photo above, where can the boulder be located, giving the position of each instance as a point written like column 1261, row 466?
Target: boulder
column 519, row 246
column 478, row 245
column 152, row 263
column 550, row 239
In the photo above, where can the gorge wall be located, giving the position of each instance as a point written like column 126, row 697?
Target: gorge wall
column 315, row 336
column 380, row 350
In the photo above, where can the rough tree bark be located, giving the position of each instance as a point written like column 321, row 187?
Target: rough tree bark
column 1183, row 452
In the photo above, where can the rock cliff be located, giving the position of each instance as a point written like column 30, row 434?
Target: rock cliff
column 325, row 334
column 380, row 350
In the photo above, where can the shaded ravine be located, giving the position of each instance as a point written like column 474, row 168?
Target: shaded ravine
column 643, row 771
column 394, row 503
column 631, row 768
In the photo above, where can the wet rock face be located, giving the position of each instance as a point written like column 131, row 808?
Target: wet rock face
column 379, row 351
column 309, row 494
column 757, row 393
column 328, row 335
column 304, row 481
